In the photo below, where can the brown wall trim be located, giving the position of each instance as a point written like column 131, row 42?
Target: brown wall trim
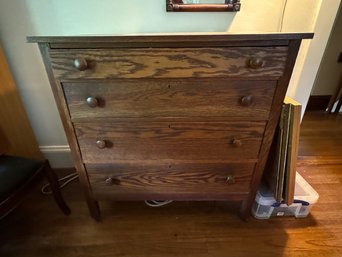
column 318, row 102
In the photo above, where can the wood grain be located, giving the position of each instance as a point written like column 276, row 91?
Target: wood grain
column 185, row 181
column 162, row 140
column 271, row 126
column 70, row 134
column 177, row 38
column 15, row 125
column 291, row 165
column 127, row 130
column 170, row 98
column 200, row 229
column 168, row 62
column 170, row 43
column 328, row 142
column 3, row 143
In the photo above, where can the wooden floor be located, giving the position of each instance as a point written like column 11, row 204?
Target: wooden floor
column 38, row 228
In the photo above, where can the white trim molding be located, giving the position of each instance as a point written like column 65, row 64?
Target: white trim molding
column 59, row 156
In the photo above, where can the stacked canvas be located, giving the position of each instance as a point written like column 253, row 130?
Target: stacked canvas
column 280, row 174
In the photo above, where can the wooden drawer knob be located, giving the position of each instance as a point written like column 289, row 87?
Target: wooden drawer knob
column 237, row 142
column 255, row 63
column 112, row 181
column 92, row 102
column 247, row 100
column 80, row 64
column 101, row 144
column 109, row 181
column 230, row 179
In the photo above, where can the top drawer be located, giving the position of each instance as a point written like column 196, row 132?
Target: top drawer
column 168, row 62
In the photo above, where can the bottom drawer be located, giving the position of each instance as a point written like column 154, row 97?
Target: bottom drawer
column 176, row 181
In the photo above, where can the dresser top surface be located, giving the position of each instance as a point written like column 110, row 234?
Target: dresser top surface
column 191, row 37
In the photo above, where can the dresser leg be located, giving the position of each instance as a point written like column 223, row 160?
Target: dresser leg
column 245, row 209
column 93, row 207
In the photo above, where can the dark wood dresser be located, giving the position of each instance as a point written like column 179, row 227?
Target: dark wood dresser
column 177, row 117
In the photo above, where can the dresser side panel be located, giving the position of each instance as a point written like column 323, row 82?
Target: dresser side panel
column 69, row 130
column 279, row 96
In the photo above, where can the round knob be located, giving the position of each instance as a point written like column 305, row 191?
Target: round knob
column 255, row 63
column 237, row 7
column 109, row 181
column 112, row 181
column 101, row 143
column 237, row 142
column 92, row 102
column 230, row 179
column 80, row 64
column 247, row 100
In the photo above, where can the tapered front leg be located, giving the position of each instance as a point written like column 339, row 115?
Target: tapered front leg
column 245, row 209
column 93, row 207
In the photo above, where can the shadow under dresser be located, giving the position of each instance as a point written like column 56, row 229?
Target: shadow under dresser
column 172, row 117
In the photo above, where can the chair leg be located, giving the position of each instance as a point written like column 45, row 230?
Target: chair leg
column 53, row 181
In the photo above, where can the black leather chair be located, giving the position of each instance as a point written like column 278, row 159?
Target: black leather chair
column 18, row 175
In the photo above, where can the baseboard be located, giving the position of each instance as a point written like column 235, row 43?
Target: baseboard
column 318, row 102
column 59, row 156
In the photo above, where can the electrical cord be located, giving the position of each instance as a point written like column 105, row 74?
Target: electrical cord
column 46, row 190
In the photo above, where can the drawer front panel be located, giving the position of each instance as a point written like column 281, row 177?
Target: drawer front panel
column 108, row 142
column 161, row 98
column 168, row 62
column 201, row 181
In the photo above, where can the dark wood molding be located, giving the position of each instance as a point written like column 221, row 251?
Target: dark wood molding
column 318, row 102
column 193, row 39
column 169, row 41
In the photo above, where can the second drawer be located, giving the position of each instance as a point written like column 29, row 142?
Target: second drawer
column 105, row 142
column 170, row 98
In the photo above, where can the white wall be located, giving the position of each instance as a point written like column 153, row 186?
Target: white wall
column 330, row 70
column 19, row 18
column 311, row 53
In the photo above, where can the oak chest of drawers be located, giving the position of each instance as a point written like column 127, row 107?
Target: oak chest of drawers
column 178, row 117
